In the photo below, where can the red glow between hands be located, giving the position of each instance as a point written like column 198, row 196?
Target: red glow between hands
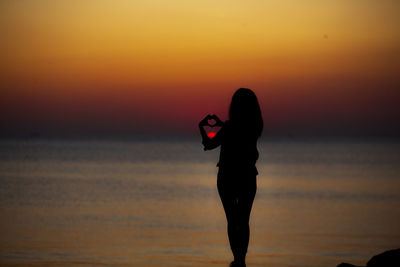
column 211, row 134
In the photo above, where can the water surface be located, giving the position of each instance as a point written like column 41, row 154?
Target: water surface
column 151, row 203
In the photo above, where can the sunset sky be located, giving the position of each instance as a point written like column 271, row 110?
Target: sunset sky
column 157, row 67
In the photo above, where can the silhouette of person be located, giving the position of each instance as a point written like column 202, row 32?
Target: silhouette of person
column 237, row 171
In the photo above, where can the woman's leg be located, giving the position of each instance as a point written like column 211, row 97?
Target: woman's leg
column 229, row 202
column 237, row 202
column 244, row 205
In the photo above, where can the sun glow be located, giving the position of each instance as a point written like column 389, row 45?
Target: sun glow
column 211, row 134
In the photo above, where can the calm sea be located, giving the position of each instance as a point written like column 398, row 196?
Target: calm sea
column 152, row 203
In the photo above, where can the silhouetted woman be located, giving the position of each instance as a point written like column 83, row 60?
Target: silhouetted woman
column 237, row 170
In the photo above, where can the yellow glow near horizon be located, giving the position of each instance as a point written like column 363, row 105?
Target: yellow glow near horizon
column 144, row 39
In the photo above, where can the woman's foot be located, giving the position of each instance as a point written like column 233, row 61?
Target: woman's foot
column 237, row 264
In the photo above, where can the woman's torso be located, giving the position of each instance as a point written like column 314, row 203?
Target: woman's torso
column 239, row 152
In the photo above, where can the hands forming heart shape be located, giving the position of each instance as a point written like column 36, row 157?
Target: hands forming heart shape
column 211, row 120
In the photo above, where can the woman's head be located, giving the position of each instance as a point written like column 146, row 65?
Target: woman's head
column 244, row 109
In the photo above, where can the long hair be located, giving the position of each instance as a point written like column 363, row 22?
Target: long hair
column 245, row 111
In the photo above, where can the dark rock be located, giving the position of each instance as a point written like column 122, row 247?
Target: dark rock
column 390, row 258
column 343, row 264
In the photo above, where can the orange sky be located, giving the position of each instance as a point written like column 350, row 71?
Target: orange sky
column 159, row 66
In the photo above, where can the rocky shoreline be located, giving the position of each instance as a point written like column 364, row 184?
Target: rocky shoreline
column 390, row 258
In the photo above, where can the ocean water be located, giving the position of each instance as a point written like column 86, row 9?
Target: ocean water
column 152, row 203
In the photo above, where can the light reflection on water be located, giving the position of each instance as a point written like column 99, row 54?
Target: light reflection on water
column 150, row 203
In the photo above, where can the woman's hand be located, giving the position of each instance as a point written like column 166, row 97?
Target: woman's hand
column 218, row 122
column 210, row 143
column 204, row 122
